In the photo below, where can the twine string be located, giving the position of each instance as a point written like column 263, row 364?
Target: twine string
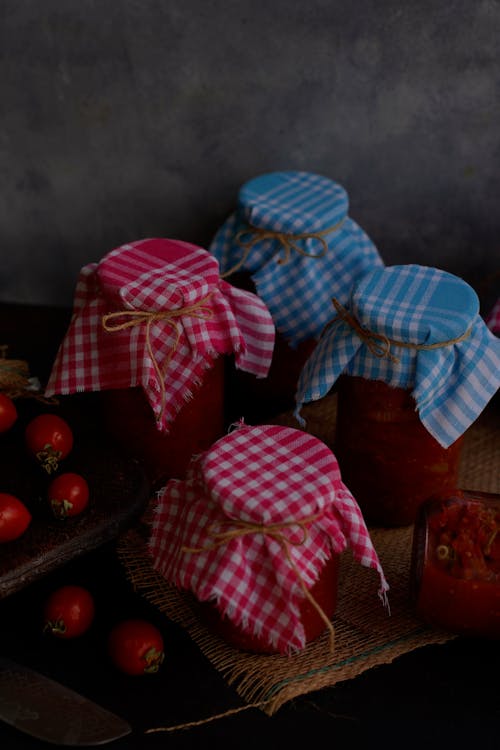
column 200, row 722
column 379, row 344
column 131, row 318
column 14, row 376
column 274, row 531
column 287, row 242
column 15, row 381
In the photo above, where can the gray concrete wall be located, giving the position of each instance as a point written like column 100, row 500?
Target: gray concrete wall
column 138, row 118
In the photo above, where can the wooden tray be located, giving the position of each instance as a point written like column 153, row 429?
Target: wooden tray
column 119, row 492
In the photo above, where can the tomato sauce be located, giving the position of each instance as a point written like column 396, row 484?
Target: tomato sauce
column 387, row 458
column 130, row 421
column 456, row 564
column 324, row 593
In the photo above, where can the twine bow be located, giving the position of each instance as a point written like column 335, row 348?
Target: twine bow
column 379, row 344
column 274, row 531
column 287, row 241
column 132, row 318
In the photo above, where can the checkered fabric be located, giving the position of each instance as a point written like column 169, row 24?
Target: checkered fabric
column 154, row 276
column 298, row 293
column 208, row 537
column 421, row 306
column 493, row 318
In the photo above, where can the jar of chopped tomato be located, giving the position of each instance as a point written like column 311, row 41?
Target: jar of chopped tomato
column 255, row 533
column 455, row 570
column 388, row 458
column 153, row 324
column 131, row 422
column 324, row 592
column 292, row 242
column 413, row 364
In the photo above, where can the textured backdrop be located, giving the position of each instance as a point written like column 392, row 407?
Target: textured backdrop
column 124, row 119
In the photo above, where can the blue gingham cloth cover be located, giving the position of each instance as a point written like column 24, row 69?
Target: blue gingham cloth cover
column 297, row 293
column 420, row 305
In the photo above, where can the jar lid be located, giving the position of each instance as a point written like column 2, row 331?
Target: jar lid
column 270, row 474
column 417, row 328
column 414, row 304
column 292, row 234
column 292, row 202
column 155, row 312
column 155, row 274
column 252, row 526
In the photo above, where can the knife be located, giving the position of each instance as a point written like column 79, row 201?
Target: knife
column 49, row 711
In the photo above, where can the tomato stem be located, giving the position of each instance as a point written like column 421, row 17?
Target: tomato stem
column 153, row 659
column 55, row 626
column 49, row 458
column 60, row 508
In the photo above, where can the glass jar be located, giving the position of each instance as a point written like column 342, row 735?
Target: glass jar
column 152, row 328
column 388, row 459
column 324, row 592
column 291, row 242
column 414, row 365
column 255, row 532
column 455, row 568
column 130, row 421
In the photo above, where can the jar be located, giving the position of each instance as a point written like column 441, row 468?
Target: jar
column 255, row 532
column 130, row 421
column 291, row 242
column 389, row 460
column 413, row 364
column 324, row 592
column 455, row 567
column 152, row 325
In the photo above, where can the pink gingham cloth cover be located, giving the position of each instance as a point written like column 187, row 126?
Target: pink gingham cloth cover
column 493, row 318
column 278, row 477
column 154, row 276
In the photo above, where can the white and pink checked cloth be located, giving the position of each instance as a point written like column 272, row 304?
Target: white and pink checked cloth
column 493, row 318
column 264, row 507
column 149, row 341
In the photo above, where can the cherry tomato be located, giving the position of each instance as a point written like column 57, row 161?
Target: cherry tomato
column 8, row 413
column 69, row 611
column 68, row 495
column 136, row 647
column 14, row 517
column 49, row 438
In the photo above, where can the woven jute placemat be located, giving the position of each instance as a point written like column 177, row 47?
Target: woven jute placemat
column 365, row 634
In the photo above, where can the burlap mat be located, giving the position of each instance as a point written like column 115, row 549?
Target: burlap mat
column 365, row 635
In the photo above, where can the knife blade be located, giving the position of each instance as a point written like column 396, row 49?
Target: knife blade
column 46, row 709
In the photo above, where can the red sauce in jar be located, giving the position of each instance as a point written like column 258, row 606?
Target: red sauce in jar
column 324, row 593
column 387, row 458
column 130, row 421
column 456, row 564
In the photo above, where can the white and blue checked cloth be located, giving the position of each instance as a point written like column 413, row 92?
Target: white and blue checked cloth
column 295, row 286
column 425, row 308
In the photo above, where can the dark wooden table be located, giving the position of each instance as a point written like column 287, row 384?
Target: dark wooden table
column 445, row 696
